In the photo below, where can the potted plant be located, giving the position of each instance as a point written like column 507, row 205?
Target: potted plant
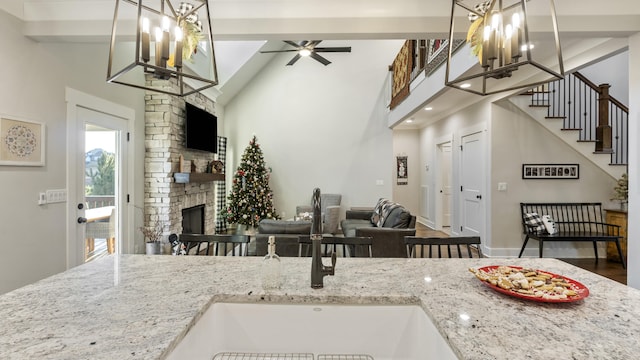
column 622, row 191
column 152, row 237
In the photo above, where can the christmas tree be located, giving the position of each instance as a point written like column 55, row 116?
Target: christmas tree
column 251, row 199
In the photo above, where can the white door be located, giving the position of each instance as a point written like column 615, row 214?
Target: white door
column 472, row 176
column 445, row 182
column 88, row 116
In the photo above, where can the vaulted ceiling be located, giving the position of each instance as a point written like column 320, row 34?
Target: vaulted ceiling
column 242, row 27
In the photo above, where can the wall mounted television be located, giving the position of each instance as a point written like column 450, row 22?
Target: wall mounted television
column 200, row 129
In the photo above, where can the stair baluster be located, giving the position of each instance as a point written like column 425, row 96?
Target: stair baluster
column 589, row 108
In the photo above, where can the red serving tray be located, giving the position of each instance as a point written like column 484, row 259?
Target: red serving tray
column 579, row 288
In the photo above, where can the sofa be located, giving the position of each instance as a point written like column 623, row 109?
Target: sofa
column 330, row 211
column 387, row 223
column 286, row 233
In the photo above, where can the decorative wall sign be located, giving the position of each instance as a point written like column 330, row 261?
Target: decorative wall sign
column 402, row 170
column 550, row 171
column 21, row 142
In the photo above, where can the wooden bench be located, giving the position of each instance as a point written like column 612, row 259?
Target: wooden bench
column 574, row 221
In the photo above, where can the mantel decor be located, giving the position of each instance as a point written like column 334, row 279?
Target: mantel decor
column 509, row 48
column 22, row 142
column 550, row 171
column 172, row 40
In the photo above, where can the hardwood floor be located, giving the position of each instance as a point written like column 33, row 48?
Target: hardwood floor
column 609, row 269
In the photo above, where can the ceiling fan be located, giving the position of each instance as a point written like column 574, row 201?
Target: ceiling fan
column 308, row 48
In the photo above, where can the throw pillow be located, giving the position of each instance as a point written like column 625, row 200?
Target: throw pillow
column 376, row 217
column 534, row 222
column 549, row 224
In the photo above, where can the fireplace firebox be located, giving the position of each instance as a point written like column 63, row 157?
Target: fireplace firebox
column 193, row 220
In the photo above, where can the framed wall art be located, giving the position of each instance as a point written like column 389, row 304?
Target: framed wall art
column 402, row 170
column 550, row 171
column 22, row 142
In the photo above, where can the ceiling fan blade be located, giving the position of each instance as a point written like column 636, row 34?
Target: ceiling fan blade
column 321, row 59
column 333, row 49
column 277, row 51
column 313, row 43
column 292, row 43
column 295, row 58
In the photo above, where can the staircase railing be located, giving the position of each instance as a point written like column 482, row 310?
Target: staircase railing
column 589, row 108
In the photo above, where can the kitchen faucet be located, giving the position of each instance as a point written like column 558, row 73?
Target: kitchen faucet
column 318, row 269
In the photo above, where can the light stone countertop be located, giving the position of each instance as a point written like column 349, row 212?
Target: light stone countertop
column 139, row 307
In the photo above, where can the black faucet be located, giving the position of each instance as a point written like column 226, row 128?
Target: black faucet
column 318, row 269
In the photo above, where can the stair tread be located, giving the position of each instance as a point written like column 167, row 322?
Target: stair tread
column 571, row 129
column 538, row 105
column 587, row 141
column 555, row 117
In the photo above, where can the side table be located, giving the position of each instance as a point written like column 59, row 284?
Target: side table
column 617, row 217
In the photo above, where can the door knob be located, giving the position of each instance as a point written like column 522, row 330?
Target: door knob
column 478, row 197
column 82, row 220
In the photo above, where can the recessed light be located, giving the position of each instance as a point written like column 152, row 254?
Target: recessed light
column 409, row 121
column 465, row 85
column 428, row 108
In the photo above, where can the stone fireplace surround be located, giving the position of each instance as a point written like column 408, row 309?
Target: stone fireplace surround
column 164, row 143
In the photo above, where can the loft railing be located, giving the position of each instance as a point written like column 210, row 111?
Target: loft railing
column 589, row 108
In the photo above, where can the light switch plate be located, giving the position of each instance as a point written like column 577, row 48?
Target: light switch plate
column 502, row 186
column 56, row 196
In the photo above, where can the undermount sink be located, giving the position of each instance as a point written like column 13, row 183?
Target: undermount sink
column 380, row 331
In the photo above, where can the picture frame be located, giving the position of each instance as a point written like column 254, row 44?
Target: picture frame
column 402, row 171
column 22, row 142
column 551, row 171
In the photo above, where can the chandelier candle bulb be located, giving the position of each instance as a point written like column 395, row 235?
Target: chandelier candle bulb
column 508, row 33
column 165, row 38
column 516, row 36
column 145, row 40
column 159, row 61
column 485, row 46
column 178, row 53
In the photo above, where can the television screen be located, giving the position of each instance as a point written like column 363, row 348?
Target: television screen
column 201, row 129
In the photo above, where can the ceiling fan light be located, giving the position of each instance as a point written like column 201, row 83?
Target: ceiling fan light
column 304, row 52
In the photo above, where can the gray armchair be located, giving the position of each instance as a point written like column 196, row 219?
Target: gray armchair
column 330, row 208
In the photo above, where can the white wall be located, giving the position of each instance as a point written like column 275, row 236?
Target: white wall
column 406, row 143
column 518, row 139
column 430, row 136
column 320, row 126
column 614, row 71
column 633, row 232
column 34, row 77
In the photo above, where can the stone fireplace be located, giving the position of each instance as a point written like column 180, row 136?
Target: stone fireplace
column 165, row 199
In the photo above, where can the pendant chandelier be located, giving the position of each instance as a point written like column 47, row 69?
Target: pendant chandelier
column 512, row 45
column 157, row 40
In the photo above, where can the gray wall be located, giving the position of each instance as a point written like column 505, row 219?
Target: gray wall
column 34, row 77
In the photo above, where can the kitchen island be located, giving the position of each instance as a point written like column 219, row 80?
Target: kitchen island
column 140, row 307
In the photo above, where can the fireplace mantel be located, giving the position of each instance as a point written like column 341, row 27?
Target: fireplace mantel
column 184, row 178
